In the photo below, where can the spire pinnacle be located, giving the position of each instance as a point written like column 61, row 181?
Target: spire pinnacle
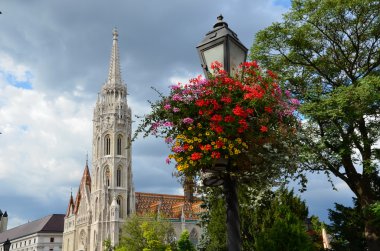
column 114, row 74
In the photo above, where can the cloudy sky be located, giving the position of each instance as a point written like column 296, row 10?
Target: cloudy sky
column 54, row 58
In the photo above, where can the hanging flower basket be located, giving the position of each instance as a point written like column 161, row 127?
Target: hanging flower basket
column 223, row 118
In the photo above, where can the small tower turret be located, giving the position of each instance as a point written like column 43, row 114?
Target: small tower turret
column 114, row 218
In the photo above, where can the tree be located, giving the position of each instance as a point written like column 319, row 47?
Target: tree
column 347, row 227
column 269, row 220
column 184, row 243
column 282, row 224
column 328, row 54
column 148, row 234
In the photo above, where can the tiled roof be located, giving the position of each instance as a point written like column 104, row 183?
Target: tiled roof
column 51, row 224
column 169, row 205
column 85, row 181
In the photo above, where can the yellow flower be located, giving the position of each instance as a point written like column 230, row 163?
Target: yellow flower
column 180, row 167
column 237, row 151
column 190, row 128
column 238, row 140
column 199, row 125
column 191, row 147
column 230, row 146
column 224, row 147
column 207, row 133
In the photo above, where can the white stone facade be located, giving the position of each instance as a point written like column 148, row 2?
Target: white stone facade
column 37, row 242
column 106, row 198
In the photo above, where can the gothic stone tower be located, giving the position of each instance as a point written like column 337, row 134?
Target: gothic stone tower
column 112, row 193
column 106, row 198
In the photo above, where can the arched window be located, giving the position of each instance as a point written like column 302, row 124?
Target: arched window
column 119, row 140
column 107, row 145
column 120, row 203
column 118, row 177
column 107, row 177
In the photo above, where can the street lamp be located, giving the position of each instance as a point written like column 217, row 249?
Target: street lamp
column 221, row 44
column 7, row 245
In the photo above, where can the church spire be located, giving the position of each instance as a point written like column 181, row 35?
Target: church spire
column 114, row 74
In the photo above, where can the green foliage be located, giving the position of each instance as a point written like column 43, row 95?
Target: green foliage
column 265, row 216
column 148, row 234
column 347, row 227
column 327, row 53
column 107, row 245
column 216, row 227
column 184, row 243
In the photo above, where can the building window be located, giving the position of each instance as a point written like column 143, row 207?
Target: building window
column 119, row 140
column 107, row 145
column 51, row 239
column 107, row 177
column 118, row 177
column 120, row 203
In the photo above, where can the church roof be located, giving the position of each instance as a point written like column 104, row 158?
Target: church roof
column 85, row 181
column 49, row 224
column 171, row 206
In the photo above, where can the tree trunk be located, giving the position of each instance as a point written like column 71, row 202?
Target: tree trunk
column 371, row 233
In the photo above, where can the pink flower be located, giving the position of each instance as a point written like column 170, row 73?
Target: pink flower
column 168, row 140
column 287, row 93
column 167, row 107
column 177, row 149
column 168, row 123
column 177, row 97
column 294, row 101
column 168, row 161
column 175, row 109
column 188, row 120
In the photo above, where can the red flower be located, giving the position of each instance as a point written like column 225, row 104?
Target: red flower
column 219, row 143
column 268, row 109
column 215, row 155
column 254, row 92
column 229, row 119
column 206, row 147
column 196, row 156
column 216, row 128
column 200, row 102
column 263, row 128
column 226, row 100
column 217, row 118
column 238, row 111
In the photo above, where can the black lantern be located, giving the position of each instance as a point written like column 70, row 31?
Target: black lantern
column 7, row 245
column 222, row 45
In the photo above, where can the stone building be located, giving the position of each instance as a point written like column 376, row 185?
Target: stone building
column 106, row 196
column 44, row 234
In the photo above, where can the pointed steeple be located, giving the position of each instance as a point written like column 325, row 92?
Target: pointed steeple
column 86, row 178
column 114, row 73
column 70, row 208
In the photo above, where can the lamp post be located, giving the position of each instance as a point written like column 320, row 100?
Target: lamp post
column 222, row 44
column 7, row 245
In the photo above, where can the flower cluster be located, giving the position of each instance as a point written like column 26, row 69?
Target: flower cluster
column 222, row 117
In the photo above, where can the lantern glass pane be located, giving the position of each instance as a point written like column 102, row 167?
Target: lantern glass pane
column 214, row 54
column 237, row 56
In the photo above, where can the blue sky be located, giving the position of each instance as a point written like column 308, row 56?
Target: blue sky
column 53, row 60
